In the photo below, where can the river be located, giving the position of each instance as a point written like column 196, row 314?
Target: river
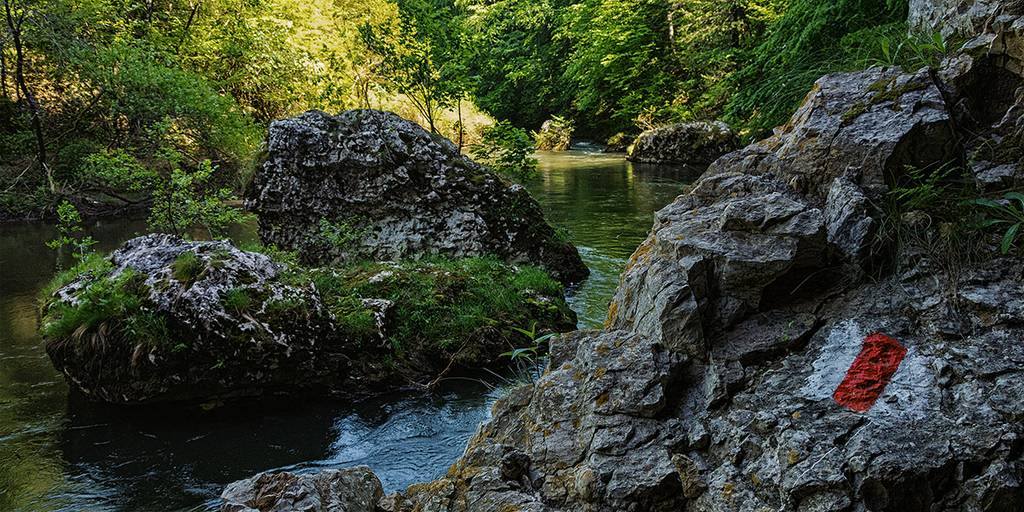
column 61, row 454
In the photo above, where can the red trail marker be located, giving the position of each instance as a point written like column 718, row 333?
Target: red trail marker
column 870, row 373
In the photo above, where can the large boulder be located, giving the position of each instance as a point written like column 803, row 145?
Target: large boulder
column 696, row 143
column 347, row 490
column 167, row 319
column 164, row 319
column 368, row 184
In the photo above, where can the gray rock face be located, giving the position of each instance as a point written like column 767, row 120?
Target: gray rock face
column 868, row 123
column 211, row 349
column 370, row 185
column 697, row 143
column 958, row 17
column 591, row 434
column 347, row 490
column 716, row 255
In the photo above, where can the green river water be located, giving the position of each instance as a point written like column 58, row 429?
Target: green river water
column 57, row 453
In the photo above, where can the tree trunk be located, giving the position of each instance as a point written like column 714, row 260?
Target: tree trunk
column 461, row 127
column 19, row 79
column 3, row 69
column 188, row 25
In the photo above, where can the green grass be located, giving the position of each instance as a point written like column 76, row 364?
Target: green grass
column 238, row 300
column 441, row 303
column 187, row 267
column 106, row 307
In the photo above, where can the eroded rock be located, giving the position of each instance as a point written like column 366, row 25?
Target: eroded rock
column 697, row 143
column 370, row 185
column 871, row 124
column 716, row 255
column 347, row 490
column 170, row 319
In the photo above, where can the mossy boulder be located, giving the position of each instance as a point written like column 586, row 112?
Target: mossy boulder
column 696, row 143
column 369, row 185
column 165, row 319
column 554, row 135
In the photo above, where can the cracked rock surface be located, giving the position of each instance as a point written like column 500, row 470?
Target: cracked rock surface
column 369, row 185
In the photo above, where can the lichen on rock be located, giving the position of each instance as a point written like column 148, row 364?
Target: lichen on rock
column 390, row 190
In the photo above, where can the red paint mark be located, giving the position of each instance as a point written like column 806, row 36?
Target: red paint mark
column 867, row 377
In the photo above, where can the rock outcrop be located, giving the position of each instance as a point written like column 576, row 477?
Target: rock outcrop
column 867, row 126
column 347, row 490
column 370, row 185
column 696, row 143
column 177, row 320
column 748, row 365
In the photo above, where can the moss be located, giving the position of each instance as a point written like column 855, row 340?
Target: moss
column 439, row 303
column 93, row 265
column 187, row 267
column 883, row 91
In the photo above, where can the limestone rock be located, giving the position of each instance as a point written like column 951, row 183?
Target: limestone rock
column 270, row 337
column 554, row 135
column 714, row 256
column 368, row 184
column 868, row 123
column 347, row 490
column 697, row 143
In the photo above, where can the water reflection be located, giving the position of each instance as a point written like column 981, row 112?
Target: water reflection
column 607, row 205
column 60, row 453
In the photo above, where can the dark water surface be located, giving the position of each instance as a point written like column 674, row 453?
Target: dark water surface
column 57, row 453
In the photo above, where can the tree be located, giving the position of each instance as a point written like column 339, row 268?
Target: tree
column 420, row 56
column 16, row 13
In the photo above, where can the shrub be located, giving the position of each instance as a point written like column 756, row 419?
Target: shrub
column 506, row 149
column 69, row 233
column 188, row 201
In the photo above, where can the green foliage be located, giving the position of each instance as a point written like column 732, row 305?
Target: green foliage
column 515, row 58
column 339, row 235
column 237, row 300
column 187, row 267
column 91, row 267
column 420, row 57
column 530, row 352
column 506, row 149
column 910, row 52
column 440, row 303
column 117, row 170
column 69, row 233
column 1007, row 215
column 810, row 38
column 190, row 200
column 113, row 306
